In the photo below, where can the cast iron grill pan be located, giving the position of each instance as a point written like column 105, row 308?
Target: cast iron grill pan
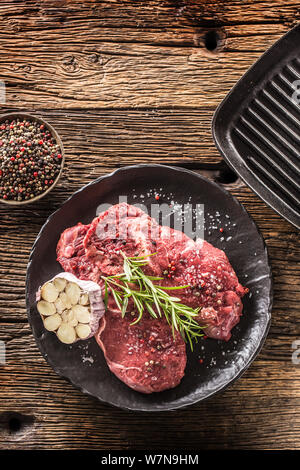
column 257, row 127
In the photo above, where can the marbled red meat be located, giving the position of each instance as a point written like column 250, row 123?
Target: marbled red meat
column 145, row 356
column 93, row 251
column 121, row 228
column 71, row 253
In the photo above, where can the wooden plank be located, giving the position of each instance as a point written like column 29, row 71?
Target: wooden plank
column 111, row 138
column 65, row 419
column 150, row 77
column 153, row 14
column 80, row 63
column 119, row 137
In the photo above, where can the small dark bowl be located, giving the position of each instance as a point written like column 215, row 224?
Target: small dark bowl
column 11, row 116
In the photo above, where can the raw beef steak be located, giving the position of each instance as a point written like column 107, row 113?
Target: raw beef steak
column 213, row 283
column 145, row 356
column 121, row 228
column 94, row 251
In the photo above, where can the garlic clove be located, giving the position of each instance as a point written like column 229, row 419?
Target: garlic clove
column 81, row 313
column 60, row 283
column 83, row 331
column 68, row 316
column 73, row 292
column 49, row 292
column 65, row 316
column 59, row 305
column 53, row 322
column 66, row 333
column 73, row 322
column 84, row 299
column 65, row 301
column 46, row 308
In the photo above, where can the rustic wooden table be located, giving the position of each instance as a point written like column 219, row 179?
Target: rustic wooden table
column 126, row 82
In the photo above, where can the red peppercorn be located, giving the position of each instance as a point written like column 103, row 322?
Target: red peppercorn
column 12, row 159
column 201, row 361
column 41, row 142
column 157, row 197
column 4, row 197
column 221, row 230
column 58, row 155
column 46, row 182
column 35, row 174
column 42, row 126
column 22, row 149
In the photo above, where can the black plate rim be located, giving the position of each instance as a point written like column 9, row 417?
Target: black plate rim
column 218, row 136
column 268, row 312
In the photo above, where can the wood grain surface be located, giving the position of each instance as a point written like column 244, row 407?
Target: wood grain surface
column 127, row 82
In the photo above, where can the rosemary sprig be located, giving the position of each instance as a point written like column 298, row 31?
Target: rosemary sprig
column 135, row 284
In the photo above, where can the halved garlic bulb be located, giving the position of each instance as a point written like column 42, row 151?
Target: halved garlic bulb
column 70, row 307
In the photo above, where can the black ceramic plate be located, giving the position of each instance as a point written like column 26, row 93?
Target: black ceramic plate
column 256, row 127
column 83, row 363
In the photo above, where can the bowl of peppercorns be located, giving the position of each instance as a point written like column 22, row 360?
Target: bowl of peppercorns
column 31, row 158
